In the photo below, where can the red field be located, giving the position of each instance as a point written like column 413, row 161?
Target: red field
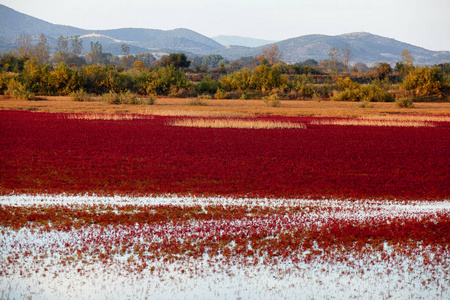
column 326, row 211
column 48, row 153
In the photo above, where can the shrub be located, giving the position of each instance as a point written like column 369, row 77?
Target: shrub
column 166, row 80
column 369, row 93
column 365, row 104
column 345, row 83
column 4, row 80
column 323, row 90
column 205, row 96
column 151, row 100
column 306, row 91
column 177, row 92
column 272, row 101
column 404, row 102
column 424, row 82
column 18, row 90
column 126, row 98
column 220, row 94
column 207, row 85
column 197, row 102
column 81, row 96
column 112, row 98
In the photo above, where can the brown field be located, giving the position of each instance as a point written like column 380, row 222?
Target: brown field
column 237, row 123
column 225, row 108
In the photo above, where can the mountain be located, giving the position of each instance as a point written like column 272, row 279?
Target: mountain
column 230, row 40
column 13, row 23
column 365, row 47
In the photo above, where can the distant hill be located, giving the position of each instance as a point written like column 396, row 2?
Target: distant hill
column 13, row 23
column 365, row 47
column 233, row 40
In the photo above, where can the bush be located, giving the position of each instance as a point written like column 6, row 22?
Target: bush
column 220, row 94
column 424, row 82
column 404, row 102
column 305, row 91
column 207, row 85
column 272, row 101
column 111, row 98
column 365, row 104
column 166, row 80
column 151, row 100
column 176, row 92
column 80, row 96
column 197, row 102
column 127, row 98
column 345, row 83
column 4, row 80
column 18, row 90
column 369, row 93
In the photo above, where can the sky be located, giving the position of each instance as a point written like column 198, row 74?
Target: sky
column 423, row 23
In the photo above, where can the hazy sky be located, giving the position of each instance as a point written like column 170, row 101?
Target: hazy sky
column 424, row 23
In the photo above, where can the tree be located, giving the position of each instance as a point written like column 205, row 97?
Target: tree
column 334, row 56
column 24, row 46
column 62, row 50
column 310, row 62
column 424, row 82
column 76, row 45
column 407, row 58
column 41, row 51
column 125, row 49
column 270, row 55
column 361, row 67
column 346, row 55
column 96, row 53
column 382, row 70
column 177, row 60
column 146, row 58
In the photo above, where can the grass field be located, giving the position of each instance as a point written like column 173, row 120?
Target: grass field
column 223, row 108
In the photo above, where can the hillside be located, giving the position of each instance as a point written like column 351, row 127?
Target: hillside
column 365, row 47
column 232, row 40
column 13, row 23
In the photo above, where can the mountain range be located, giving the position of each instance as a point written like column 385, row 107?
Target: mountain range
column 365, row 47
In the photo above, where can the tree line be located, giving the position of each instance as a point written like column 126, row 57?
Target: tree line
column 33, row 70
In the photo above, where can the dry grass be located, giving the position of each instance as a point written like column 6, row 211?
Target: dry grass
column 222, row 108
column 411, row 118
column 113, row 117
column 373, row 122
column 236, row 123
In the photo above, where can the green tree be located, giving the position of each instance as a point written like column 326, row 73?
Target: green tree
column 163, row 80
column 177, row 60
column 382, row 71
column 125, row 49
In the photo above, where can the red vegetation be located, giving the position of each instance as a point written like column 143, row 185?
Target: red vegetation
column 237, row 231
column 48, row 153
